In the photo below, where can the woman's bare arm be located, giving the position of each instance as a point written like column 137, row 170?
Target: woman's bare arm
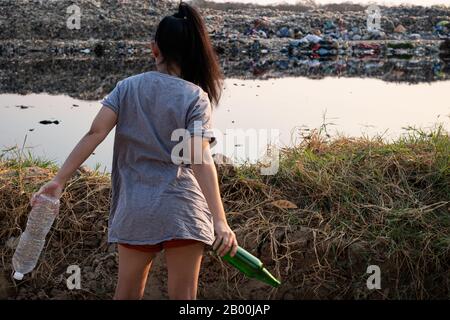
column 206, row 174
column 101, row 126
column 103, row 123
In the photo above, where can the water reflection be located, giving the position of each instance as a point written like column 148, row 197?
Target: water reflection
column 352, row 107
column 85, row 76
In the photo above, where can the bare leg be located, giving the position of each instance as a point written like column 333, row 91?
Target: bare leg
column 183, row 265
column 134, row 267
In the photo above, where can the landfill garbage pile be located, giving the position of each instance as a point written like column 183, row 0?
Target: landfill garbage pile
column 42, row 53
column 395, row 23
column 105, row 19
column 137, row 19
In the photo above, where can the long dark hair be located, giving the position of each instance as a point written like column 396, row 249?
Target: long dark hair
column 183, row 40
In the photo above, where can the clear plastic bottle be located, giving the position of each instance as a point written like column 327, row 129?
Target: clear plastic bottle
column 32, row 240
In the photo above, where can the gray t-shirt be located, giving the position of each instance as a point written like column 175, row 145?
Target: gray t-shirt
column 153, row 198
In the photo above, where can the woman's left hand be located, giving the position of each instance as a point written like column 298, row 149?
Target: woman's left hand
column 225, row 239
column 52, row 188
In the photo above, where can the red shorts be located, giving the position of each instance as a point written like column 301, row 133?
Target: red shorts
column 160, row 246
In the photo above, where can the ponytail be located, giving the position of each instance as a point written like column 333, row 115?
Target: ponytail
column 183, row 40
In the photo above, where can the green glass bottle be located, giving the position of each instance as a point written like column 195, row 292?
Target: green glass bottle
column 251, row 266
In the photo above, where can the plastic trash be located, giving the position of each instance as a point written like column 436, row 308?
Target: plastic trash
column 415, row 36
column 282, row 64
column 329, row 25
column 312, row 38
column 32, row 239
column 323, row 52
column 400, row 29
column 262, row 34
column 284, row 32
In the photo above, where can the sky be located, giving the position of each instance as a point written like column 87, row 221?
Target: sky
column 393, row 2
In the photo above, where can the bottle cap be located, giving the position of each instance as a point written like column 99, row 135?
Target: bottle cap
column 18, row 276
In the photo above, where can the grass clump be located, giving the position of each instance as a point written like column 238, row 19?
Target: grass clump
column 335, row 206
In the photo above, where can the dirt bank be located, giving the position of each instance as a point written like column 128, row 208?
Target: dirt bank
column 351, row 203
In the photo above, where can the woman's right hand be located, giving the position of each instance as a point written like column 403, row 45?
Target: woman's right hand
column 225, row 239
column 53, row 188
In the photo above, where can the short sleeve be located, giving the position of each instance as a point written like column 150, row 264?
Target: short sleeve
column 112, row 100
column 199, row 119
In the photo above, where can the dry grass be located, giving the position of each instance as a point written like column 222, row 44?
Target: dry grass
column 350, row 203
